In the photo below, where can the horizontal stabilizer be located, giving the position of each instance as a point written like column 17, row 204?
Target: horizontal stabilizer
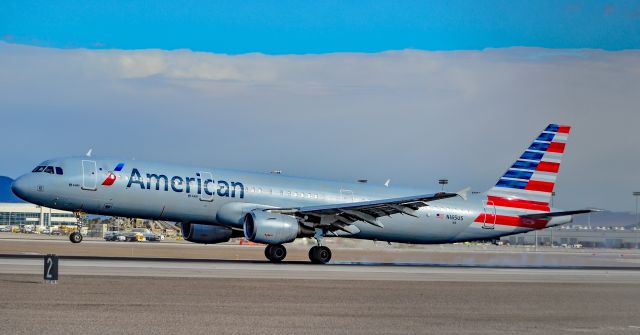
column 553, row 214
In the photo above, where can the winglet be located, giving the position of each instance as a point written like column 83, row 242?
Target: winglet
column 463, row 193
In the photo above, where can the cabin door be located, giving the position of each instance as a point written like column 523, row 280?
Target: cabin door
column 89, row 175
column 489, row 209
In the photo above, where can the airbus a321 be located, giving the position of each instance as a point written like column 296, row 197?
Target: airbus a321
column 214, row 205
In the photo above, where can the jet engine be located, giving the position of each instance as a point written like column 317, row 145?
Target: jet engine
column 265, row 227
column 200, row 233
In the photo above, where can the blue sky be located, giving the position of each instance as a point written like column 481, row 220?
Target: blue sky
column 363, row 115
column 284, row 27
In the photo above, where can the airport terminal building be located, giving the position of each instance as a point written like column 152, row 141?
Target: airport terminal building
column 17, row 214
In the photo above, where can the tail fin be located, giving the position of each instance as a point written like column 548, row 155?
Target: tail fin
column 531, row 179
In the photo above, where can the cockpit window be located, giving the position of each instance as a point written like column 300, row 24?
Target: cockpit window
column 49, row 169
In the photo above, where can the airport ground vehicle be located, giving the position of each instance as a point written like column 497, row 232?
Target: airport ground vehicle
column 135, row 235
column 214, row 205
column 114, row 236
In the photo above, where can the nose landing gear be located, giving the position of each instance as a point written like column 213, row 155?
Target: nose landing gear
column 76, row 236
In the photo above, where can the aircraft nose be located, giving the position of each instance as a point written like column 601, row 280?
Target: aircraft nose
column 20, row 187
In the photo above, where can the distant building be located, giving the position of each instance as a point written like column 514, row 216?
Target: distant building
column 600, row 237
column 29, row 214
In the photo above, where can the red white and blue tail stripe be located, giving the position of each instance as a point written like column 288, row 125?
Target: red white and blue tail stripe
column 528, row 184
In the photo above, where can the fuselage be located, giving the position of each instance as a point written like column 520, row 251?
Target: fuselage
column 216, row 196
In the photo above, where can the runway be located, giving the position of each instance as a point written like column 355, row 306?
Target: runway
column 115, row 293
column 448, row 255
column 304, row 271
column 250, row 298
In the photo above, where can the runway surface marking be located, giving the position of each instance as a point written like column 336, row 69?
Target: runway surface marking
column 319, row 272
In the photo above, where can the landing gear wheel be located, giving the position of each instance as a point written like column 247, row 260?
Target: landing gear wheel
column 275, row 252
column 75, row 237
column 267, row 251
column 320, row 255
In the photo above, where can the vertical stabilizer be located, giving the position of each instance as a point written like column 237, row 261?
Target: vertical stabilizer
column 530, row 181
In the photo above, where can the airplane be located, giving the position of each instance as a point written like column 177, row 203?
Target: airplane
column 215, row 205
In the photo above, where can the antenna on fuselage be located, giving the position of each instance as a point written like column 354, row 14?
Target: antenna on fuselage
column 89, row 152
column 386, row 183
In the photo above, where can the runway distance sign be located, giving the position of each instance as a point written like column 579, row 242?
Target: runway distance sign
column 50, row 268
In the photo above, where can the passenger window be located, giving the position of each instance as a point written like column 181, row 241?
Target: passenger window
column 49, row 169
column 59, row 170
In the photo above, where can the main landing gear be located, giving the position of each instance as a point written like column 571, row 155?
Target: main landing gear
column 317, row 254
column 320, row 254
column 275, row 252
column 76, row 236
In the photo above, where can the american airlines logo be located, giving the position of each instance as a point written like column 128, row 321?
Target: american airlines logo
column 189, row 185
column 111, row 177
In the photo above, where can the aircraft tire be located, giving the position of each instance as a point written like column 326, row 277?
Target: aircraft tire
column 312, row 254
column 267, row 250
column 320, row 255
column 277, row 252
column 75, row 237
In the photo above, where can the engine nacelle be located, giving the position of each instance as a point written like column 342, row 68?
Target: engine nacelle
column 200, row 233
column 265, row 227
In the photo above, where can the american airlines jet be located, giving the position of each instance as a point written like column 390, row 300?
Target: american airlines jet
column 214, row 205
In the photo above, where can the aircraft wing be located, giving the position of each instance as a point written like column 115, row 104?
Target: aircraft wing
column 343, row 214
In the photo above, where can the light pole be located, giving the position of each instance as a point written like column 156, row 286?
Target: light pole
column 637, row 195
column 553, row 194
column 443, row 182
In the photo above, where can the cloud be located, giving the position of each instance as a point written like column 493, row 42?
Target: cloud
column 412, row 116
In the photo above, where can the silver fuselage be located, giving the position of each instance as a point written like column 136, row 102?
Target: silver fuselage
column 160, row 192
